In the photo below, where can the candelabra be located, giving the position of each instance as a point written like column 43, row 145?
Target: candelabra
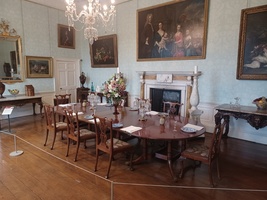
column 90, row 15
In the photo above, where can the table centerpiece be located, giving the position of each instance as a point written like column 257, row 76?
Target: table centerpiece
column 114, row 89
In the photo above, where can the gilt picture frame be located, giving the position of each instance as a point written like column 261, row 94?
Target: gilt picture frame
column 39, row 67
column 172, row 31
column 66, row 36
column 104, row 52
column 252, row 51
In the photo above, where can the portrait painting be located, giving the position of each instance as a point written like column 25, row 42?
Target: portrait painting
column 172, row 31
column 103, row 52
column 252, row 52
column 39, row 67
column 66, row 36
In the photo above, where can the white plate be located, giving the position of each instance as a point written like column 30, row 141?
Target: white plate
column 117, row 125
column 89, row 117
column 133, row 109
column 188, row 130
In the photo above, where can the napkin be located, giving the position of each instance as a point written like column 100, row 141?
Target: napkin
column 101, row 104
column 79, row 113
column 93, row 121
column 131, row 129
column 64, row 105
column 152, row 113
column 198, row 128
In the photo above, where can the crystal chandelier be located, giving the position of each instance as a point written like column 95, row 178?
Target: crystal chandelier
column 90, row 16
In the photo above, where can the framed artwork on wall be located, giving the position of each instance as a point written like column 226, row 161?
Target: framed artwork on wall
column 252, row 52
column 172, row 31
column 66, row 37
column 104, row 52
column 39, row 67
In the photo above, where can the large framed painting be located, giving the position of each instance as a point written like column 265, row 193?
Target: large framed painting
column 104, row 52
column 66, row 36
column 252, row 52
column 39, row 67
column 172, row 31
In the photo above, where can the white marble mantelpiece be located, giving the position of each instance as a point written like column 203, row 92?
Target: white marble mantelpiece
column 180, row 80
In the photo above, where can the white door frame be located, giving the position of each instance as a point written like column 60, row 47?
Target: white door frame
column 77, row 69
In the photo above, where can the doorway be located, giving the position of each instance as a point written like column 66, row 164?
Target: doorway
column 67, row 73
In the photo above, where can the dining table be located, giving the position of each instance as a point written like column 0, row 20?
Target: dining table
column 146, row 128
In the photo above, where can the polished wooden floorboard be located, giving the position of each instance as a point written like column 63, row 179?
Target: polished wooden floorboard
column 41, row 173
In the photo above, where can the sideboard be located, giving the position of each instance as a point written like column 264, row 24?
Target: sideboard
column 22, row 100
column 255, row 117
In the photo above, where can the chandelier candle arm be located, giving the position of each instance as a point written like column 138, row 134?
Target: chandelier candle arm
column 90, row 16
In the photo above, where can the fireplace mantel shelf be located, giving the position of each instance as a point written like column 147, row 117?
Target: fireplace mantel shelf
column 176, row 73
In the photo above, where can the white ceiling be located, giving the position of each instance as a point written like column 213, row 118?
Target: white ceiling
column 61, row 4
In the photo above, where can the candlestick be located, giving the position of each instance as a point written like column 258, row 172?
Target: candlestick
column 195, row 70
column 118, row 70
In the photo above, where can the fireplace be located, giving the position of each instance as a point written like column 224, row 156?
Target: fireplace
column 158, row 95
column 181, row 81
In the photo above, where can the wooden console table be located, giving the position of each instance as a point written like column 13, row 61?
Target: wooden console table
column 255, row 117
column 22, row 100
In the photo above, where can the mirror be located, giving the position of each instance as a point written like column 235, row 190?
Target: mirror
column 11, row 64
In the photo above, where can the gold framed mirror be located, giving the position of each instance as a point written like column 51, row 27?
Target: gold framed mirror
column 11, row 63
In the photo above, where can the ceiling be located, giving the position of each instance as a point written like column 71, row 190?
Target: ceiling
column 61, row 4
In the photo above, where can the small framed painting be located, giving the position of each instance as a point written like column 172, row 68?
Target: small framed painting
column 104, row 52
column 252, row 53
column 39, row 67
column 66, row 37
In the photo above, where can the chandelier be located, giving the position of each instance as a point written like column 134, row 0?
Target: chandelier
column 90, row 17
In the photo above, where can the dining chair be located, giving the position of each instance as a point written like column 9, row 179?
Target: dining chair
column 173, row 108
column 75, row 133
column 62, row 99
column 52, row 124
column 207, row 152
column 107, row 143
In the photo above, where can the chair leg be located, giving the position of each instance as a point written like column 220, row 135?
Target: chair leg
column 182, row 169
column 210, row 175
column 218, row 169
column 131, row 161
column 77, row 149
column 54, row 139
column 109, row 165
column 96, row 162
column 68, row 147
column 46, row 137
column 85, row 144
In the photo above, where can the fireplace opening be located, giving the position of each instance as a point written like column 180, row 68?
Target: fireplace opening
column 158, row 95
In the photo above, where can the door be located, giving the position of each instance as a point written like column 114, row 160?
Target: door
column 67, row 73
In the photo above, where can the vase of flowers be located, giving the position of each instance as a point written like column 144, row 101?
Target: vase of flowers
column 114, row 89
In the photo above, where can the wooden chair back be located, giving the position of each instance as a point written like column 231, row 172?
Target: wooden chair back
column 173, row 108
column 52, row 124
column 106, row 143
column 75, row 132
column 206, row 153
column 62, row 99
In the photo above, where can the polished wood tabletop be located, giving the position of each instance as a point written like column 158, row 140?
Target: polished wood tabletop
column 150, row 128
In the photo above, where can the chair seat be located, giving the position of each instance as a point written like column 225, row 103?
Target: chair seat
column 60, row 124
column 85, row 133
column 199, row 152
column 119, row 144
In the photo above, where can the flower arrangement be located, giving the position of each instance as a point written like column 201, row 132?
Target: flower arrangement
column 115, row 87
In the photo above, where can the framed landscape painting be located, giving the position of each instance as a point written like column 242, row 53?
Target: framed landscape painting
column 104, row 52
column 39, row 67
column 252, row 53
column 172, row 31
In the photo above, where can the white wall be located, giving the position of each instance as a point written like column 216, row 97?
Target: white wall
column 38, row 27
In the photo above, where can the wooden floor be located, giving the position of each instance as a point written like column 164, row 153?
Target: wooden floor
column 41, row 173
